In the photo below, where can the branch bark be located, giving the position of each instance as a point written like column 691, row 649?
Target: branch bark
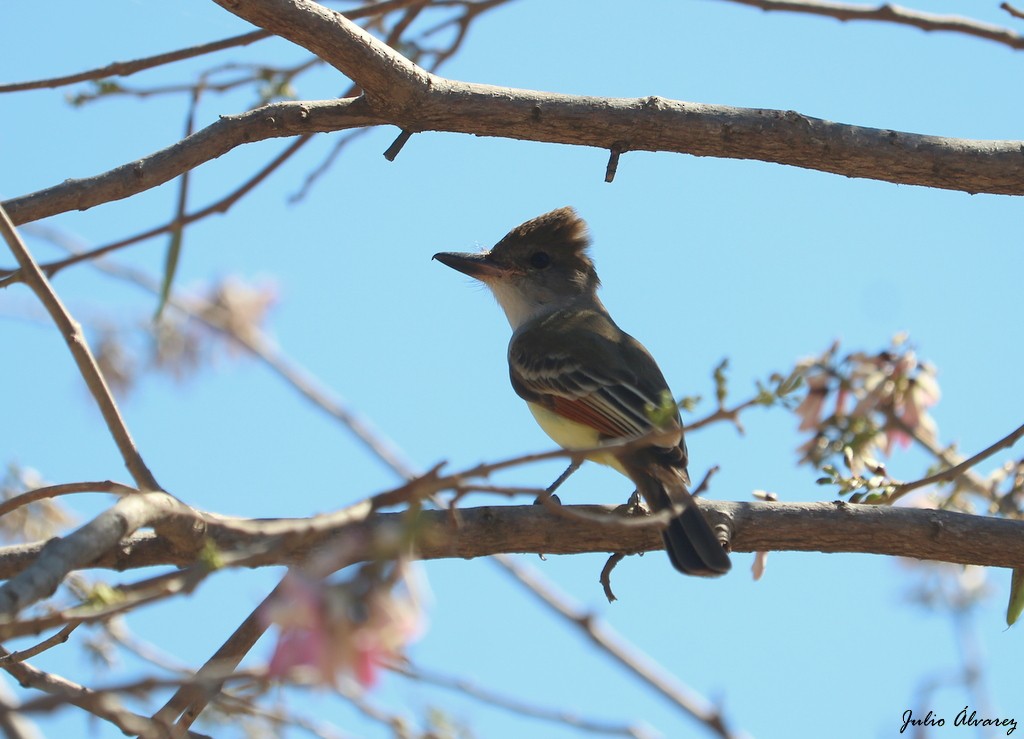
column 397, row 92
column 834, row 527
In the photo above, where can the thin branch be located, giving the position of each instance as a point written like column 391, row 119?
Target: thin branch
column 68, row 488
column 99, row 704
column 270, row 121
column 518, row 706
column 895, row 14
column 953, row 472
column 629, row 657
column 87, row 366
column 970, row 478
column 125, row 69
column 1012, row 10
column 8, row 277
column 20, row 656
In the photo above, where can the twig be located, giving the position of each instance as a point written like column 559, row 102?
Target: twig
column 87, row 366
column 725, row 414
column 68, row 488
column 613, row 163
column 397, row 144
column 125, row 69
column 105, row 706
column 514, row 705
column 220, row 206
column 1012, row 10
column 20, row 656
column 894, row 14
column 629, row 657
column 606, row 575
column 969, row 477
column 957, row 470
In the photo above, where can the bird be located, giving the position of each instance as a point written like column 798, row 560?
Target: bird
column 586, row 381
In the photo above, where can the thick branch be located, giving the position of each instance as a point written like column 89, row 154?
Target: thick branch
column 51, row 561
column 477, row 532
column 417, row 101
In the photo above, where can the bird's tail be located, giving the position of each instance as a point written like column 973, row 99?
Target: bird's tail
column 691, row 544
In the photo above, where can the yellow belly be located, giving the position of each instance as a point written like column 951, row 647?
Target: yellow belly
column 571, row 435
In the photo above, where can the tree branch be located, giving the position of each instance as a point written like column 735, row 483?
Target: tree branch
column 71, row 331
column 270, row 121
column 835, row 527
column 894, row 14
column 401, row 94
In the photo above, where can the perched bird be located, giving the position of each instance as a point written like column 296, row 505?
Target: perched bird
column 587, row 381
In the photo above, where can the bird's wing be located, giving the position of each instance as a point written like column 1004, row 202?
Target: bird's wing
column 606, row 396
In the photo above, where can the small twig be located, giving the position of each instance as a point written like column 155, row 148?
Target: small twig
column 889, row 13
column 124, row 69
column 20, row 656
column 606, row 575
column 1012, row 10
column 725, row 414
column 220, row 206
column 706, row 482
column 105, row 706
column 397, row 144
column 517, row 706
column 87, row 366
column 68, row 488
column 953, row 472
column 613, row 164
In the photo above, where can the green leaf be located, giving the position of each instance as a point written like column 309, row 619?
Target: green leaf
column 721, row 381
column 170, row 268
column 1016, row 604
column 664, row 414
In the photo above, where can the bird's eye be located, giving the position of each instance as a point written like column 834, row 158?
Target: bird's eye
column 540, row 259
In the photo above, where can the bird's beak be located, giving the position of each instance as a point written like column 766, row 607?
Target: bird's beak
column 479, row 265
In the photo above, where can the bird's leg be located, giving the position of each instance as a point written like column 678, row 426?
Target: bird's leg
column 550, row 491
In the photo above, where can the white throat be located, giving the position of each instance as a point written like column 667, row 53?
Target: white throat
column 519, row 307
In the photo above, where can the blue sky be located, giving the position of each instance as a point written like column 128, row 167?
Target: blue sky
column 701, row 259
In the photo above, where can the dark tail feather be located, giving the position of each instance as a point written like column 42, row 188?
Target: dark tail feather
column 693, row 547
column 691, row 544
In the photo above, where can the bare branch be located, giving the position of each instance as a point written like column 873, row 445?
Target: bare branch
column 894, row 14
column 943, row 536
column 414, row 100
column 69, row 488
column 59, row 638
column 270, row 121
column 97, row 703
column 124, row 69
column 1012, row 10
column 100, row 537
column 518, row 706
column 953, row 472
column 87, row 366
